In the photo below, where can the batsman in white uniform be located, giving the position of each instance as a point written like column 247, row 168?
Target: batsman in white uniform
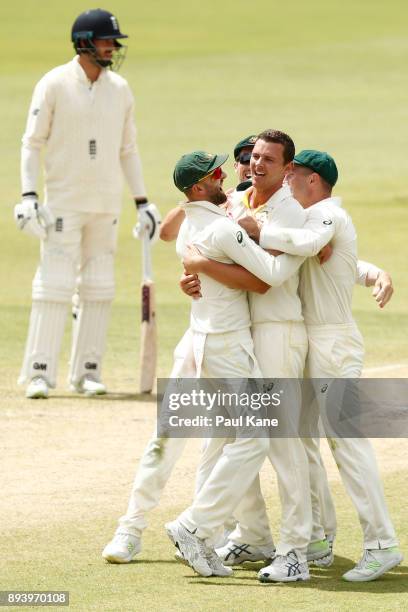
column 82, row 114
column 335, row 348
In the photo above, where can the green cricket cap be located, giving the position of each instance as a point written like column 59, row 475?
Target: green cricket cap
column 320, row 162
column 249, row 141
column 194, row 166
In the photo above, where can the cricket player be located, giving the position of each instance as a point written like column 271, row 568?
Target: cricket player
column 152, row 474
column 335, row 347
column 82, row 115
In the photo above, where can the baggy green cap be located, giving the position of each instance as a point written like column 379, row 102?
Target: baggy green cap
column 320, row 162
column 249, row 141
column 194, row 166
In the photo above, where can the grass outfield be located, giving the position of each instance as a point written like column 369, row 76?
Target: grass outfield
column 331, row 74
column 66, row 491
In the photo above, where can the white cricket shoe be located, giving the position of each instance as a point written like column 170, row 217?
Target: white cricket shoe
column 213, row 560
column 373, row 564
column 37, row 388
column 193, row 549
column 89, row 387
column 328, row 560
column 235, row 554
column 215, row 563
column 285, row 568
column 318, row 550
column 122, row 548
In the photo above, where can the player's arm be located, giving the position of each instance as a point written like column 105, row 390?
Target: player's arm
column 317, row 231
column 148, row 215
column 30, row 216
column 235, row 242
column 38, row 127
column 369, row 275
column 129, row 152
column 233, row 276
column 171, row 224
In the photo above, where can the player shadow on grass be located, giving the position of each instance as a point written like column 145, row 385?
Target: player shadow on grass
column 137, row 397
column 329, row 579
column 138, row 561
column 109, row 397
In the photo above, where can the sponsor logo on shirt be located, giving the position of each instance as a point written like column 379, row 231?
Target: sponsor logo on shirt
column 328, row 222
column 240, row 237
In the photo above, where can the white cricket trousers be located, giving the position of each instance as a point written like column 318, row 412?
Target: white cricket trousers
column 280, row 348
column 228, row 355
column 159, row 456
column 337, row 351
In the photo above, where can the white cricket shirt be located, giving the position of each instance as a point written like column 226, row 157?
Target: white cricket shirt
column 89, row 136
column 326, row 290
column 222, row 309
column 281, row 210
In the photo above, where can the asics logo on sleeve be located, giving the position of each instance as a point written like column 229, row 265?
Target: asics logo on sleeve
column 240, row 237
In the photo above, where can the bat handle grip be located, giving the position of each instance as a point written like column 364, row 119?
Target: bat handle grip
column 147, row 259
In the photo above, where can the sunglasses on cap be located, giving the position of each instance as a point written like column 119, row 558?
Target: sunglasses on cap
column 215, row 174
column 244, row 159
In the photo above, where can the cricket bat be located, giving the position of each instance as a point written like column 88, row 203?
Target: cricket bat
column 148, row 332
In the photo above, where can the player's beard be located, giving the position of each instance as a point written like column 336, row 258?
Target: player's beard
column 216, row 195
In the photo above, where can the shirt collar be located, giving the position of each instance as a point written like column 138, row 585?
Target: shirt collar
column 277, row 197
column 80, row 74
column 218, row 210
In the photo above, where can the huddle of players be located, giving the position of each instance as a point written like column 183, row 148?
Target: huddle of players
column 300, row 307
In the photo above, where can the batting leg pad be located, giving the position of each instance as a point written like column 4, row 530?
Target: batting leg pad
column 97, row 279
column 55, row 278
column 89, row 340
column 45, row 333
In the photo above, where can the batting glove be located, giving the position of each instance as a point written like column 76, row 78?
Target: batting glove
column 149, row 220
column 33, row 218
